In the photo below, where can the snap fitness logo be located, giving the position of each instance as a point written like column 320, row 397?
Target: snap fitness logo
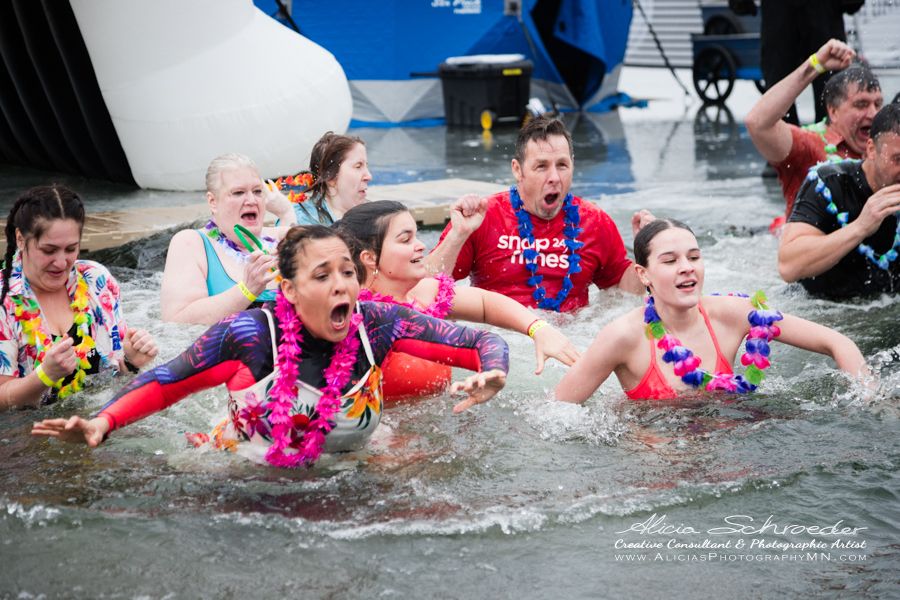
column 542, row 245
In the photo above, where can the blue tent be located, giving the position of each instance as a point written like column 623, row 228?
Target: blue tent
column 391, row 49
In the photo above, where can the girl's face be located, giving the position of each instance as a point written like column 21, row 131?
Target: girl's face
column 674, row 271
column 324, row 288
column 47, row 260
column 350, row 186
column 402, row 254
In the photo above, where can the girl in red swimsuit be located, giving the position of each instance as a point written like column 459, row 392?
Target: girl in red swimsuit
column 670, row 265
column 390, row 261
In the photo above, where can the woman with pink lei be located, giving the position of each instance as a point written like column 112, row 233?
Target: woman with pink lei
column 61, row 321
column 657, row 351
column 305, row 377
column 390, row 259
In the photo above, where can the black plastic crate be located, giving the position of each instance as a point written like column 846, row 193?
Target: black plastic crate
column 500, row 88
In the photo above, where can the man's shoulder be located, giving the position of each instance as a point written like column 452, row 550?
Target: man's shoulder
column 836, row 170
column 590, row 212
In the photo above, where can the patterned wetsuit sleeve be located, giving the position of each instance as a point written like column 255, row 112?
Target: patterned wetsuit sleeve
column 393, row 327
column 236, row 351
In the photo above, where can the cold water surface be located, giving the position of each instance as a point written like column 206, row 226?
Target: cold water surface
column 522, row 497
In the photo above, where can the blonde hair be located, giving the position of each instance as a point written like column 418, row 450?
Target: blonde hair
column 226, row 162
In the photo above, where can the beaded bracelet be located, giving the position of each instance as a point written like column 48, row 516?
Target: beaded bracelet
column 246, row 292
column 815, row 64
column 536, row 326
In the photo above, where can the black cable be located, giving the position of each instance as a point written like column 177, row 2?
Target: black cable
column 659, row 46
column 287, row 15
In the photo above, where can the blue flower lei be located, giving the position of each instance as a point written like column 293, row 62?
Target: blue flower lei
column 884, row 261
column 526, row 232
column 756, row 358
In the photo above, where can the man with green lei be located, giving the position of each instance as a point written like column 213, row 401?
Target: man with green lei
column 852, row 97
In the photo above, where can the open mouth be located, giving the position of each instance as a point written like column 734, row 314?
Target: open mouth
column 687, row 285
column 250, row 216
column 551, row 199
column 864, row 131
column 417, row 260
column 340, row 315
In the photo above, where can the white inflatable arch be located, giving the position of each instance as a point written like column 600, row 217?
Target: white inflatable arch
column 185, row 81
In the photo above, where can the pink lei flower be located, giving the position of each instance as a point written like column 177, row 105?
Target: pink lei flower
column 287, row 427
column 439, row 308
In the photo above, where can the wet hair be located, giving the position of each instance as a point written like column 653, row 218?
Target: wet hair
column 31, row 215
column 226, row 162
column 855, row 77
column 367, row 225
column 896, row 99
column 886, row 121
column 297, row 238
column 539, row 129
column 325, row 161
column 648, row 232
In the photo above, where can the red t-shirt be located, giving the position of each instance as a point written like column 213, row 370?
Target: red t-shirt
column 807, row 149
column 492, row 256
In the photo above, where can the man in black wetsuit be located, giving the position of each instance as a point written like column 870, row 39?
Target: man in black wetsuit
column 843, row 238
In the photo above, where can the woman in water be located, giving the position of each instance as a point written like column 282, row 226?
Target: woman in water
column 209, row 273
column 61, row 318
column 317, row 383
column 390, row 260
column 656, row 352
column 339, row 179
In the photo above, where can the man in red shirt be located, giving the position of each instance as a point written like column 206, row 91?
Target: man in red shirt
column 852, row 97
column 536, row 243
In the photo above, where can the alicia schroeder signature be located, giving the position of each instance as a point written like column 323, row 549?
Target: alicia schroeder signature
column 739, row 524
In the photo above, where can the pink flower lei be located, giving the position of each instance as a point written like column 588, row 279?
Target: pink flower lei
column 284, row 392
column 439, row 309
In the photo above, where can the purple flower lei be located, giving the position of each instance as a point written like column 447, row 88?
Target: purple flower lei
column 687, row 365
column 232, row 248
column 884, row 261
column 526, row 232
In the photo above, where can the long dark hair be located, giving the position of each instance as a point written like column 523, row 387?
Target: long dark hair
column 325, row 162
column 297, row 238
column 648, row 232
column 366, row 225
column 31, row 215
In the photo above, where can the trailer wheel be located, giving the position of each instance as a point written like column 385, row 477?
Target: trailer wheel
column 714, row 74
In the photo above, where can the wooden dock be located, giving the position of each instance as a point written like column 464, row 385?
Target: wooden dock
column 428, row 201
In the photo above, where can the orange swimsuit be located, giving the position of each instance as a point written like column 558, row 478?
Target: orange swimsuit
column 654, row 386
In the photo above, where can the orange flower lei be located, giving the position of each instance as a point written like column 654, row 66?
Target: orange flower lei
column 28, row 314
column 303, row 180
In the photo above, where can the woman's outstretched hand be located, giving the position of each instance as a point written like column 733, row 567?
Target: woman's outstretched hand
column 549, row 342
column 74, row 430
column 480, row 388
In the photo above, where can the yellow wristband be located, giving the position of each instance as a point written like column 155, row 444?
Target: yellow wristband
column 536, row 326
column 45, row 379
column 815, row 64
column 246, row 292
